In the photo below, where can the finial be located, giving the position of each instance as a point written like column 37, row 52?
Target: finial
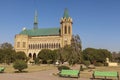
column 36, row 20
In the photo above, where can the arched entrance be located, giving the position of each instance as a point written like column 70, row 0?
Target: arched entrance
column 30, row 55
column 34, row 56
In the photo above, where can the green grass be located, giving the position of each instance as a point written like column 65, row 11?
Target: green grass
column 87, row 73
column 31, row 68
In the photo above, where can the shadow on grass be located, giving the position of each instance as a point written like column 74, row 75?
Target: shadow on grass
column 20, row 71
column 100, row 79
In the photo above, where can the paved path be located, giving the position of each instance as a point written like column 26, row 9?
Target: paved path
column 42, row 75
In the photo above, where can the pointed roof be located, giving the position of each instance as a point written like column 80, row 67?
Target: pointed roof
column 36, row 20
column 66, row 15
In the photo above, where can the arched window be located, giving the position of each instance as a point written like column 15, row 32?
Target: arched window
column 65, row 29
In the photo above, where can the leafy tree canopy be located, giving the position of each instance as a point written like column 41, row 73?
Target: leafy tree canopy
column 6, row 45
column 94, row 55
column 21, row 55
column 47, row 55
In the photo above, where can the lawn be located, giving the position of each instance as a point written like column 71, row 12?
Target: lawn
column 31, row 68
column 87, row 73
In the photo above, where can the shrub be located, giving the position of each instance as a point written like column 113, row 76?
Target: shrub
column 20, row 65
column 87, row 63
column 63, row 67
column 49, row 61
column 81, row 68
column 99, row 64
column 105, row 64
column 37, row 61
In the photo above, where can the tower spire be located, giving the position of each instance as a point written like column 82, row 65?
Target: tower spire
column 66, row 15
column 36, row 20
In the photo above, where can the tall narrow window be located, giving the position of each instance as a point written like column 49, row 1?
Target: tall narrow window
column 18, row 44
column 59, row 45
column 35, row 46
column 24, row 44
column 47, row 46
column 29, row 46
column 40, row 46
column 54, row 45
column 69, row 29
column 65, row 29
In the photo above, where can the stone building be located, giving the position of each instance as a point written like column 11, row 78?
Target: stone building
column 31, row 41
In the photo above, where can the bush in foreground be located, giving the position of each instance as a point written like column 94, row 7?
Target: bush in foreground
column 63, row 67
column 20, row 65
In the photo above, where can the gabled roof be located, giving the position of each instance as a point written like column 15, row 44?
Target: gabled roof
column 41, row 32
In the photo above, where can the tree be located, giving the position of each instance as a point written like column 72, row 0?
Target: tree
column 8, row 56
column 1, row 56
column 116, row 56
column 96, row 55
column 6, row 53
column 21, row 55
column 64, row 53
column 47, row 55
column 20, row 65
column 71, row 53
column 76, row 45
column 6, row 45
column 54, row 55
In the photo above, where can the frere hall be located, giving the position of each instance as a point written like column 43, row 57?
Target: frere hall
column 32, row 41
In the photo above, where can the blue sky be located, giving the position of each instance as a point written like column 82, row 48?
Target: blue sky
column 96, row 21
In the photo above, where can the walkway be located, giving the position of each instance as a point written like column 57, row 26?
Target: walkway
column 42, row 75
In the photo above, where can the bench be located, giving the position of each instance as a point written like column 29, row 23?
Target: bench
column 69, row 73
column 2, row 69
column 105, row 74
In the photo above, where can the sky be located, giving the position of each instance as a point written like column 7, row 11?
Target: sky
column 97, row 22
